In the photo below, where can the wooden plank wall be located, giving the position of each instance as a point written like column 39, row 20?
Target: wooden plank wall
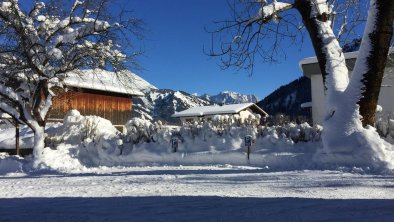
column 115, row 108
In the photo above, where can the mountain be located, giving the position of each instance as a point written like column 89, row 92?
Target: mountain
column 288, row 98
column 160, row 104
column 228, row 97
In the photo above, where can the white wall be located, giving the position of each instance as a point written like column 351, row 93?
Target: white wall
column 318, row 105
column 386, row 97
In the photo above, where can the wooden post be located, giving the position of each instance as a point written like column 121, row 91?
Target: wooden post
column 17, row 147
column 248, row 152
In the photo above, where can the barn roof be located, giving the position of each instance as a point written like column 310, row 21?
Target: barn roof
column 214, row 110
column 123, row 82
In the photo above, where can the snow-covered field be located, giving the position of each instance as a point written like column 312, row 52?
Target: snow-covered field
column 196, row 193
column 97, row 174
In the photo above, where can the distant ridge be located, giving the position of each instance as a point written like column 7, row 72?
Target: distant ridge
column 288, row 98
column 228, row 97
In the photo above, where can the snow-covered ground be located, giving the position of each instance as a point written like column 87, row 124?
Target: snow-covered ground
column 196, row 193
column 91, row 172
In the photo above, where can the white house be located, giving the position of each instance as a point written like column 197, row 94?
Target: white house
column 311, row 69
column 206, row 113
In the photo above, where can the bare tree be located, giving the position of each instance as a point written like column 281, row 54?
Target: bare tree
column 350, row 104
column 41, row 43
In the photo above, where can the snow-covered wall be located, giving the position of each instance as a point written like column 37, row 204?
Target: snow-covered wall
column 318, row 108
column 385, row 97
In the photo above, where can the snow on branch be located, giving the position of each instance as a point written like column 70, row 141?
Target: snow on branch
column 43, row 43
column 9, row 92
column 268, row 12
column 10, row 101
column 243, row 38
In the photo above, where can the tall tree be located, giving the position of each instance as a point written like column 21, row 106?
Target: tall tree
column 351, row 104
column 41, row 43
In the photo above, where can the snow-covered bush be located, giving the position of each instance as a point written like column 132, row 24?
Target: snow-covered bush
column 385, row 126
column 85, row 139
column 278, row 119
column 5, row 124
column 10, row 164
column 294, row 132
column 142, row 130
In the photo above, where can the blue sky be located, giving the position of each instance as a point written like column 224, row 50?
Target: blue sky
column 174, row 56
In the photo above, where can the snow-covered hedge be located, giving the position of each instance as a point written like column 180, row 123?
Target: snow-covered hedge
column 220, row 134
column 90, row 141
column 385, row 126
column 292, row 132
column 141, row 130
column 83, row 141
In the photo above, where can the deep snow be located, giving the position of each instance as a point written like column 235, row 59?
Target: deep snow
column 196, row 193
column 85, row 177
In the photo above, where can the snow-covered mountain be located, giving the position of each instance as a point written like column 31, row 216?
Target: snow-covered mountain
column 160, row 104
column 228, row 97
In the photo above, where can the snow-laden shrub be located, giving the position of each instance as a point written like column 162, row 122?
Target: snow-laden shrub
column 220, row 133
column 10, row 164
column 294, row 132
column 221, row 125
column 84, row 139
column 78, row 129
column 226, row 133
column 385, row 126
column 142, row 130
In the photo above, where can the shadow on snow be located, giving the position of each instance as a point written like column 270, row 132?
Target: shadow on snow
column 188, row 208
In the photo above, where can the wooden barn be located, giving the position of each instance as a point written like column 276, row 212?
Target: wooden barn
column 97, row 92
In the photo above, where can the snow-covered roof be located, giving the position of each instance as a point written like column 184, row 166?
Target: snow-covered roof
column 123, row 82
column 310, row 65
column 214, row 110
column 348, row 55
column 306, row 105
column 4, row 116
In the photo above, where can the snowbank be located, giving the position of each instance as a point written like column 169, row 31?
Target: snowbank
column 10, row 164
column 85, row 142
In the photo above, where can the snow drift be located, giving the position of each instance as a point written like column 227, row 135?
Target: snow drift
column 84, row 142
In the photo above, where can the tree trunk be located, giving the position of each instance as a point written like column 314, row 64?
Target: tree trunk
column 345, row 141
column 39, row 137
column 17, row 147
column 304, row 7
column 328, row 52
column 376, row 61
